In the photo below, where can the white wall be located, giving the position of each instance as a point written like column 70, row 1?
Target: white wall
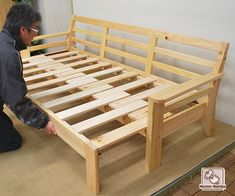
column 208, row 19
column 55, row 14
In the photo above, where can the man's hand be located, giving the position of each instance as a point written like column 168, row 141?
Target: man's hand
column 50, row 129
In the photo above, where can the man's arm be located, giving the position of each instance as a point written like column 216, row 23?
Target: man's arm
column 14, row 91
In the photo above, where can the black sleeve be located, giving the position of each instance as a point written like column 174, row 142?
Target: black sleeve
column 14, row 91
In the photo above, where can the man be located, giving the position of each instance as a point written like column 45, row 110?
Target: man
column 21, row 26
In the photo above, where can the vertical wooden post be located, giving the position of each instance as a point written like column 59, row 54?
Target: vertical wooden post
column 71, row 33
column 209, row 113
column 103, row 42
column 92, row 168
column 150, row 54
column 208, row 119
column 154, row 140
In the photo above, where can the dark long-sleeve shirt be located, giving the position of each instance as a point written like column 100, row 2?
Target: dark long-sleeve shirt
column 12, row 85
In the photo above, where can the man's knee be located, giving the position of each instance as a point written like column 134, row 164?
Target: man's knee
column 12, row 143
column 17, row 143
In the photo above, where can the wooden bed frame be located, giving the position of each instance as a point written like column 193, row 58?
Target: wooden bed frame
column 136, row 79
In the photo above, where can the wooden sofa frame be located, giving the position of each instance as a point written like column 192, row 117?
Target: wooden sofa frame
column 140, row 100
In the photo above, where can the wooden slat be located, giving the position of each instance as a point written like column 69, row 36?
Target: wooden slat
column 128, row 68
column 36, row 62
column 62, row 54
column 47, row 74
column 97, row 66
column 69, row 113
column 127, row 42
column 74, row 97
column 104, row 118
column 196, row 42
column 123, row 76
column 185, row 57
column 126, row 87
column 61, row 89
column 98, row 74
column 87, row 43
column 138, row 96
column 54, row 65
column 43, row 68
column 49, row 45
column 26, row 60
column 136, row 115
column 176, row 91
column 88, row 32
column 182, row 119
column 53, row 81
column 175, row 70
column 50, row 61
column 51, row 35
column 120, row 134
column 126, row 54
column 185, row 99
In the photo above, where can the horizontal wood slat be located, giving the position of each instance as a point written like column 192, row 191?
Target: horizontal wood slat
column 69, row 113
column 126, row 87
column 73, row 97
column 108, row 116
column 185, row 57
column 120, row 134
column 175, row 70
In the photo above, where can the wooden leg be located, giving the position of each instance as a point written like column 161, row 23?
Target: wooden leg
column 92, row 168
column 209, row 114
column 154, row 140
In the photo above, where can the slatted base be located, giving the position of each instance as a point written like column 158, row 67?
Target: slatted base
column 83, row 95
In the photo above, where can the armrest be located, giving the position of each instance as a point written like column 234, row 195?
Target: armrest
column 46, row 36
column 178, row 90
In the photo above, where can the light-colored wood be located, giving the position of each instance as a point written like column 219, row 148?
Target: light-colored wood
column 208, row 119
column 142, row 95
column 71, row 34
column 86, row 43
column 125, row 87
column 62, row 89
column 185, row 99
column 121, row 77
column 69, row 113
column 103, row 42
column 175, row 70
column 151, row 53
column 127, row 41
column 92, row 168
column 108, row 116
column 97, row 74
column 89, row 87
column 174, row 92
column 185, row 57
column 75, row 96
column 125, row 54
column 153, row 137
column 119, row 134
column 53, row 81
column 4, row 8
column 182, row 119
column 49, row 45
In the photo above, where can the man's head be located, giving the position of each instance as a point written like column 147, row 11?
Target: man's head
column 24, row 21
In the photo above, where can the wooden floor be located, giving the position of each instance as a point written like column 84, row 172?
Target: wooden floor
column 46, row 165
